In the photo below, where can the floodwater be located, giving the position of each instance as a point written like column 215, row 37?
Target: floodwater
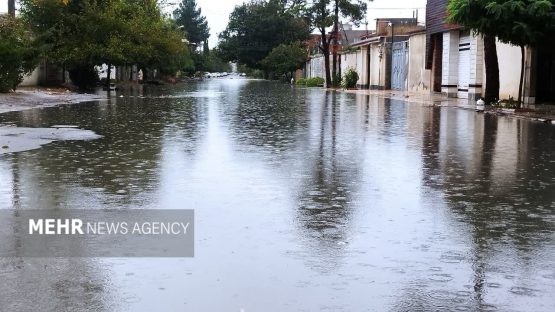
column 304, row 200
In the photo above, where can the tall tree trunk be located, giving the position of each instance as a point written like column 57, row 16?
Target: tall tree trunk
column 11, row 8
column 335, row 41
column 520, row 85
column 325, row 48
column 492, row 69
column 109, row 72
column 327, row 67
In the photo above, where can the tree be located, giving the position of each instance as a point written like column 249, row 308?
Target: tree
column 321, row 18
column 255, row 28
column 193, row 22
column 518, row 22
column 213, row 63
column 80, row 34
column 11, row 8
column 355, row 10
column 18, row 54
column 285, row 59
column 473, row 15
column 320, row 13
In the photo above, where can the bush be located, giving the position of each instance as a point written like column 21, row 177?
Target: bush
column 315, row 82
column 311, row 82
column 350, row 79
column 18, row 55
column 84, row 77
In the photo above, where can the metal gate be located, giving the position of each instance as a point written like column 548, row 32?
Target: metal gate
column 399, row 66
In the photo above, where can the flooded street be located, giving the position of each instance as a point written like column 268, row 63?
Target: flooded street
column 304, row 200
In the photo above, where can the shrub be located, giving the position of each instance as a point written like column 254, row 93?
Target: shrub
column 350, row 79
column 311, row 82
column 18, row 55
column 301, row 82
column 315, row 82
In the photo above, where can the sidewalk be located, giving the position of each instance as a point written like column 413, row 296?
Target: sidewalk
column 541, row 113
column 28, row 98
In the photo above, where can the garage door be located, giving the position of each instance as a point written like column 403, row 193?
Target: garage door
column 464, row 66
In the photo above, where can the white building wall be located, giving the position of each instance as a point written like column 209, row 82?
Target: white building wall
column 377, row 67
column 419, row 78
column 31, row 80
column 363, row 74
column 351, row 60
column 475, row 89
column 360, row 67
column 316, row 67
column 509, row 58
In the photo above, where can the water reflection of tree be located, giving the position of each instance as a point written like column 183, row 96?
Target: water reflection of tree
column 326, row 188
column 267, row 115
column 67, row 175
column 500, row 212
column 126, row 158
column 38, row 284
column 499, row 208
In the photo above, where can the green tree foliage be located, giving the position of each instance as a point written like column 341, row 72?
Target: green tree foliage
column 192, row 21
column 257, row 27
column 322, row 15
column 214, row 64
column 285, row 59
column 518, row 22
column 18, row 54
column 84, row 33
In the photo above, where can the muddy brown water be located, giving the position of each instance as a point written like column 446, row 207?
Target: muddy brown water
column 305, row 200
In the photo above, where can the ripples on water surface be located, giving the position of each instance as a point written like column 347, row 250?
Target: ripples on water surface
column 305, row 200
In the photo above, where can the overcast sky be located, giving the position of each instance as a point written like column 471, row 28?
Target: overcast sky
column 217, row 12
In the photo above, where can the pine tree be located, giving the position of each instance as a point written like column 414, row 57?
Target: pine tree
column 190, row 18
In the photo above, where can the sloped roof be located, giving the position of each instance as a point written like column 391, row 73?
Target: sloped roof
column 348, row 37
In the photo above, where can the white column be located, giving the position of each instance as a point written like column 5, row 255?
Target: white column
column 450, row 63
column 476, row 68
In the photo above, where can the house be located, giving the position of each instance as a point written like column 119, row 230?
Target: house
column 314, row 67
column 454, row 55
column 455, row 58
column 382, row 58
